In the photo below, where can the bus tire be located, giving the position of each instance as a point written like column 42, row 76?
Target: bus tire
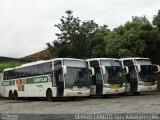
column 10, row 95
column 49, row 95
column 15, row 95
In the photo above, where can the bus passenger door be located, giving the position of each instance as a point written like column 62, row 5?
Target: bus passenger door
column 59, row 82
column 58, row 74
column 132, row 76
column 99, row 82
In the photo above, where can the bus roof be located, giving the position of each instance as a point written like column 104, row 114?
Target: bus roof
column 101, row 59
column 40, row 62
column 133, row 58
column 67, row 59
column 9, row 69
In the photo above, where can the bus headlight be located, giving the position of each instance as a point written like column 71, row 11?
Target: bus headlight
column 155, row 82
column 140, row 83
column 124, row 84
column 107, row 86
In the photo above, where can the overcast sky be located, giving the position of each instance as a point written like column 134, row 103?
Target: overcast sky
column 27, row 25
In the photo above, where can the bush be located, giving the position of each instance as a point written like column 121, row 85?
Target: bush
column 9, row 65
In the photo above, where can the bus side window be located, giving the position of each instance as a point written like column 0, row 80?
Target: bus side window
column 57, row 65
column 10, row 74
column 47, row 68
column 53, row 80
column 38, row 69
column 98, row 75
column 5, row 75
column 128, row 63
column 31, row 70
column 94, row 63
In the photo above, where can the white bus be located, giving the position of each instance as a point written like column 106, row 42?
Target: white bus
column 61, row 77
column 1, row 77
column 141, row 75
column 108, row 77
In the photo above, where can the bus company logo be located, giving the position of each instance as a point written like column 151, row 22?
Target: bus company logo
column 49, row 78
column 20, row 84
column 75, row 88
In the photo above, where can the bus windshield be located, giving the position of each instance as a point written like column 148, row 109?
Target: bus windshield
column 114, row 73
column 77, row 73
column 77, row 77
column 146, row 73
column 75, row 63
column 110, row 63
column 143, row 62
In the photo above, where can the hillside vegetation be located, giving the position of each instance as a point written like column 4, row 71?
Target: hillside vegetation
column 10, row 64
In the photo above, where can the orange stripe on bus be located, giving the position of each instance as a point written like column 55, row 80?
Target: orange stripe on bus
column 19, row 88
column 17, row 82
column 24, row 81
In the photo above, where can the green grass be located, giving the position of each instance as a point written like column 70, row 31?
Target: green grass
column 9, row 65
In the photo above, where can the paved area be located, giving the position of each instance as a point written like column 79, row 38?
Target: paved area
column 143, row 103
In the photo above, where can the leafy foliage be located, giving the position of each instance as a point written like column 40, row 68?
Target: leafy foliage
column 135, row 38
column 76, row 38
column 86, row 39
column 72, row 37
column 96, row 43
column 9, row 65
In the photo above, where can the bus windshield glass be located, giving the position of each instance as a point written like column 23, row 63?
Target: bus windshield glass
column 114, row 73
column 110, row 63
column 77, row 74
column 146, row 74
column 143, row 62
column 75, row 63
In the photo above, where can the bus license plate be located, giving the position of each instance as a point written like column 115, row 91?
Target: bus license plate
column 116, row 90
column 79, row 92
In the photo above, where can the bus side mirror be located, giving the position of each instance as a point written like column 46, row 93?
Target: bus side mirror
column 92, row 71
column 156, row 68
column 126, row 70
column 138, row 68
column 103, row 70
column 64, row 69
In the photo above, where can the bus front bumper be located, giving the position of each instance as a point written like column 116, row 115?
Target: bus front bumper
column 113, row 90
column 147, row 88
column 76, row 93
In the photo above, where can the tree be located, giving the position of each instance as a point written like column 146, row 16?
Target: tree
column 69, row 26
column 96, row 43
column 156, row 20
column 86, row 39
column 72, row 38
column 155, row 54
column 135, row 38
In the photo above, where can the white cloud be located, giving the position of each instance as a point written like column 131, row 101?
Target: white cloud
column 26, row 25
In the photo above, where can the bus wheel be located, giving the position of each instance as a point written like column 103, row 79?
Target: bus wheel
column 15, row 95
column 49, row 95
column 10, row 95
